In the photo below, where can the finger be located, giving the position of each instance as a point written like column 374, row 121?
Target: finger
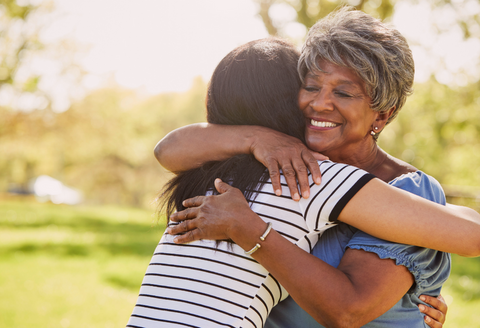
column 432, row 323
column 194, row 201
column 179, row 216
column 221, row 186
column 437, row 302
column 318, row 156
column 291, row 178
column 272, row 167
column 313, row 167
column 187, row 237
column 187, row 214
column 182, row 227
column 433, row 317
column 302, row 177
column 441, row 299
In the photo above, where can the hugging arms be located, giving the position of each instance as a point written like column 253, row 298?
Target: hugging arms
column 342, row 114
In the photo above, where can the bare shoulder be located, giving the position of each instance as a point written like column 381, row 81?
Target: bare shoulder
column 400, row 166
column 393, row 167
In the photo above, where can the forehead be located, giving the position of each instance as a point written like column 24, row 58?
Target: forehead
column 339, row 75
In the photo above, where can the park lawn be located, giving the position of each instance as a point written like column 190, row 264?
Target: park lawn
column 64, row 266
column 68, row 266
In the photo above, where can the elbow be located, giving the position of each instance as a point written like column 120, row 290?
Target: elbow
column 475, row 245
column 343, row 318
column 157, row 151
column 472, row 250
column 342, row 321
column 163, row 152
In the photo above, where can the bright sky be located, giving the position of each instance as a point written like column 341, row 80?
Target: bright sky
column 158, row 44
column 161, row 45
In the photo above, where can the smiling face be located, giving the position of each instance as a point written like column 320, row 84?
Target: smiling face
column 337, row 112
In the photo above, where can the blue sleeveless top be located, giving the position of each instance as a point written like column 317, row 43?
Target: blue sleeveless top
column 429, row 268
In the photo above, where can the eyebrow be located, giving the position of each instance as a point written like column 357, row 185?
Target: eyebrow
column 338, row 82
column 348, row 82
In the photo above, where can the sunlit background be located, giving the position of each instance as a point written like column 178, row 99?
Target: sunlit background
column 88, row 87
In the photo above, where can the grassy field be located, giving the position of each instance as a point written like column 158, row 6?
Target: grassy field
column 63, row 266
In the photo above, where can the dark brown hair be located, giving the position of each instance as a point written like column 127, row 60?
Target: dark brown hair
column 255, row 84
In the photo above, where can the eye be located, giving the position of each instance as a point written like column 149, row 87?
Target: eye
column 310, row 88
column 343, row 94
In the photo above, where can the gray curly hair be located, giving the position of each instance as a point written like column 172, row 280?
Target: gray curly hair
column 375, row 51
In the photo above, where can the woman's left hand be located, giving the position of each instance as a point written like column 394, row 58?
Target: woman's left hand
column 434, row 317
column 215, row 217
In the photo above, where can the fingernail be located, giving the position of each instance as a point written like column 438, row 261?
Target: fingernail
column 423, row 298
column 421, row 307
column 306, row 194
column 318, row 181
column 278, row 192
column 296, row 196
column 427, row 319
column 168, row 230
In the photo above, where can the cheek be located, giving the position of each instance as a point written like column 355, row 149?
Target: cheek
column 302, row 101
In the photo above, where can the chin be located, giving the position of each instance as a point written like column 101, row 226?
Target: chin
column 316, row 145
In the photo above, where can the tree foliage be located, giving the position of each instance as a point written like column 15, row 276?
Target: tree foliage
column 439, row 128
column 18, row 40
column 29, row 67
column 102, row 145
column 438, row 132
column 308, row 12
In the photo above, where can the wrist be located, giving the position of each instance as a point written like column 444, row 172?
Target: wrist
column 253, row 137
column 246, row 232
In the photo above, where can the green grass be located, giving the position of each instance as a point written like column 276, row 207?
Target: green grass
column 66, row 267
column 63, row 266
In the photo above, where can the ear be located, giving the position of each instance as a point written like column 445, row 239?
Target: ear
column 382, row 118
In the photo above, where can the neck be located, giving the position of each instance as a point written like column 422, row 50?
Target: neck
column 369, row 158
column 375, row 161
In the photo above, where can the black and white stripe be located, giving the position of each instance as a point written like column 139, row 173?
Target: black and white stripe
column 204, row 285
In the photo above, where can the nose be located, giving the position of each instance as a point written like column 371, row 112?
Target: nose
column 322, row 101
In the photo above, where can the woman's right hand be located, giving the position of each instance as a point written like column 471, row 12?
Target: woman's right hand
column 434, row 316
column 217, row 218
column 278, row 151
column 193, row 145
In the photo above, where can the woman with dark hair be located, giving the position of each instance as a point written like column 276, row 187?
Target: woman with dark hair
column 209, row 284
column 346, row 102
column 206, row 283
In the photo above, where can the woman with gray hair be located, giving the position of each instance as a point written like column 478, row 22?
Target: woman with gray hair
column 356, row 73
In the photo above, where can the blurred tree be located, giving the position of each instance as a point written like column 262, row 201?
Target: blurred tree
column 310, row 11
column 307, row 12
column 14, row 41
column 29, row 67
column 438, row 131
column 19, row 40
column 102, row 145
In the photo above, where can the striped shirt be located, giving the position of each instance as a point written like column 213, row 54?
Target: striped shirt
column 210, row 284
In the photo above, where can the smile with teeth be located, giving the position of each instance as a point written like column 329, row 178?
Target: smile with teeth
column 323, row 124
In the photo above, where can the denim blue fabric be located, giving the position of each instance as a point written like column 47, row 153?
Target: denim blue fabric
column 429, row 268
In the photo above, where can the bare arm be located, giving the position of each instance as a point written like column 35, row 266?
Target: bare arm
column 362, row 288
column 402, row 217
column 393, row 214
column 193, row 145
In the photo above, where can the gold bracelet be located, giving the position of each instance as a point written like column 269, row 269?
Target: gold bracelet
column 253, row 250
column 262, row 238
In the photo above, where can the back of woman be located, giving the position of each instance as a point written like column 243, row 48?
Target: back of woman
column 207, row 283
